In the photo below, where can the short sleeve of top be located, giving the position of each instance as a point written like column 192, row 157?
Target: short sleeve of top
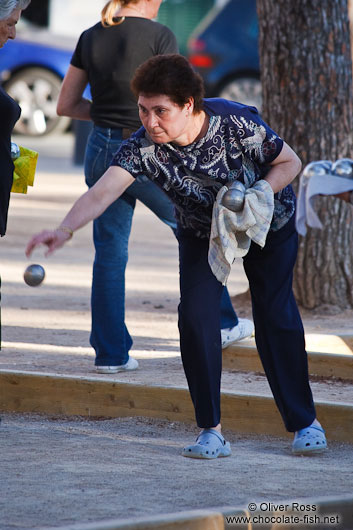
column 238, row 145
column 76, row 59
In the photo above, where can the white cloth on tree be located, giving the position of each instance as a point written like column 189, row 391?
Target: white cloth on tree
column 232, row 232
column 309, row 188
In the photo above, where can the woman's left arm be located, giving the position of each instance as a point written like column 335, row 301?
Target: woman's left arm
column 71, row 102
column 284, row 169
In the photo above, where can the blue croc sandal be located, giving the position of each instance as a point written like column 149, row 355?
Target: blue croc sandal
column 209, row 444
column 311, row 440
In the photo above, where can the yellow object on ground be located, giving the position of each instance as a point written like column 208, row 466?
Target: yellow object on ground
column 25, row 167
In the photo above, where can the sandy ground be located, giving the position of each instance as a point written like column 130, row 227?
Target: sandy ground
column 60, row 470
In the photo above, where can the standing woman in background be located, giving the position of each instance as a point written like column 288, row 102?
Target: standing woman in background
column 106, row 57
column 10, row 12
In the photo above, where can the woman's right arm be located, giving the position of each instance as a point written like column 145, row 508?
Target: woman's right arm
column 88, row 207
column 70, row 102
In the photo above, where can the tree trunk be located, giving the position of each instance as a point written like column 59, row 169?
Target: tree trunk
column 350, row 14
column 306, row 70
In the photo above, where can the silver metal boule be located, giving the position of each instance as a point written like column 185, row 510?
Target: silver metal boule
column 320, row 167
column 34, row 275
column 343, row 167
column 237, row 185
column 15, row 151
column 233, row 199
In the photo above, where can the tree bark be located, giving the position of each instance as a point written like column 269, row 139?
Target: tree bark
column 306, row 71
column 350, row 15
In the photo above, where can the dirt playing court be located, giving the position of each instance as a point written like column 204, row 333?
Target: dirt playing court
column 57, row 470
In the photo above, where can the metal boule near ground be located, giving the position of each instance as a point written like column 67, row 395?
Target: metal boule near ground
column 34, row 275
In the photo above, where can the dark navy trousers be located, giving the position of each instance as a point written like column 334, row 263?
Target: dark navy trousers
column 279, row 331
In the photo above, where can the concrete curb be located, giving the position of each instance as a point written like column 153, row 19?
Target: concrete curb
column 328, row 355
column 334, row 512
column 84, row 396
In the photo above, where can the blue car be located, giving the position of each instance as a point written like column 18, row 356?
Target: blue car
column 31, row 71
column 224, row 50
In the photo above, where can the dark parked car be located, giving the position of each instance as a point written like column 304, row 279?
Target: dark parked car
column 224, row 50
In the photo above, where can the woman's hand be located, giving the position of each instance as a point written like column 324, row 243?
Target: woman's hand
column 53, row 239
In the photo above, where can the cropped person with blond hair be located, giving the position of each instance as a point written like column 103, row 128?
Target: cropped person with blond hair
column 106, row 57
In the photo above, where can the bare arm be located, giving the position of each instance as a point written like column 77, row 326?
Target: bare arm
column 70, row 102
column 88, row 207
column 284, row 169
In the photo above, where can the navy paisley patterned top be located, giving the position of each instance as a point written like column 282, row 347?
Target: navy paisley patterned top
column 238, row 145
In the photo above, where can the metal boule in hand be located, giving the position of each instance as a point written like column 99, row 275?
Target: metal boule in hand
column 233, row 199
column 343, row 167
column 34, row 275
column 15, row 151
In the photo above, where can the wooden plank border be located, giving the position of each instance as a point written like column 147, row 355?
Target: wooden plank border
column 245, row 358
column 83, row 396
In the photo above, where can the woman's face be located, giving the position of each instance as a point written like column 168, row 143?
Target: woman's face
column 164, row 120
column 8, row 27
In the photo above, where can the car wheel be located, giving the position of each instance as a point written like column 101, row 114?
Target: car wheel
column 244, row 90
column 36, row 91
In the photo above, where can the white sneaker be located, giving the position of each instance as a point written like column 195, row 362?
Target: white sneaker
column 131, row 364
column 243, row 330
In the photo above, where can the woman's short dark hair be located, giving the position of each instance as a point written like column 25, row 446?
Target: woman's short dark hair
column 170, row 75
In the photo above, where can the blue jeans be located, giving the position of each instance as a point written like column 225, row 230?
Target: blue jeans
column 110, row 337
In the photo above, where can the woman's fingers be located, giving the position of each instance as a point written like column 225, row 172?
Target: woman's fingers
column 52, row 239
column 43, row 238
